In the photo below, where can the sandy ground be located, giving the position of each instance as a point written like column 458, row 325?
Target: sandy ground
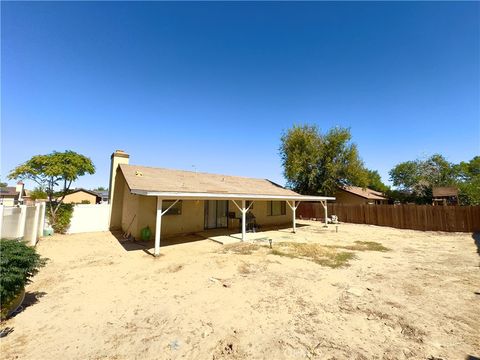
column 99, row 299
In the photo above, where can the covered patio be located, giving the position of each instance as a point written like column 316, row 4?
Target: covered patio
column 243, row 202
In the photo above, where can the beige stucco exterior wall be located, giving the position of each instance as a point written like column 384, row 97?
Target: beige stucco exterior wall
column 8, row 201
column 190, row 221
column 78, row 197
column 343, row 197
column 259, row 210
column 117, row 201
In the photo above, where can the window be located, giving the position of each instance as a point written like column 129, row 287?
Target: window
column 276, row 208
column 174, row 210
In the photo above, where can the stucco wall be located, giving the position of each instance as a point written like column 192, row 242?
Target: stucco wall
column 116, row 200
column 343, row 197
column 78, row 197
column 259, row 210
column 89, row 217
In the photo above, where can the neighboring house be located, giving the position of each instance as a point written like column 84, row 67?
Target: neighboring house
column 82, row 196
column 446, row 195
column 12, row 195
column 358, row 195
column 173, row 202
column 103, row 195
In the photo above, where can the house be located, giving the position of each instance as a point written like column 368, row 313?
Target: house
column 445, row 195
column 82, row 196
column 12, row 195
column 358, row 195
column 174, row 202
column 103, row 195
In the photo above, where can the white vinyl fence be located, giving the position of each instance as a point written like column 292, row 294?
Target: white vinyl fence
column 22, row 222
column 90, row 218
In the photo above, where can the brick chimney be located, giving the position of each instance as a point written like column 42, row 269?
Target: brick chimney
column 115, row 188
column 117, row 158
column 19, row 189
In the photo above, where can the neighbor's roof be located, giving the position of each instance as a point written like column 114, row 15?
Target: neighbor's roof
column 365, row 193
column 84, row 190
column 189, row 184
column 445, row 191
column 8, row 191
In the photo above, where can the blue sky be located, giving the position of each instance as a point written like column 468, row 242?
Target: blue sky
column 214, row 85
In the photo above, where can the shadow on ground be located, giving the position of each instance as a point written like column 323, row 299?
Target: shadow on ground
column 147, row 246
column 476, row 239
column 31, row 298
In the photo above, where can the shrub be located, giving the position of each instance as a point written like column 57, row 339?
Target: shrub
column 18, row 264
column 61, row 222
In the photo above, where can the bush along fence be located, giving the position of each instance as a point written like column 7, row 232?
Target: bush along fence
column 415, row 217
column 22, row 222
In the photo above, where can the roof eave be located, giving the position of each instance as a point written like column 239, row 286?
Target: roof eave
column 218, row 196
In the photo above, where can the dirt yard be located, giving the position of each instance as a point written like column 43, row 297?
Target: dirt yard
column 100, row 299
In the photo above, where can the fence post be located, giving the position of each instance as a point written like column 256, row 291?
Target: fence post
column 1, row 220
column 35, row 225
column 41, row 221
column 21, row 221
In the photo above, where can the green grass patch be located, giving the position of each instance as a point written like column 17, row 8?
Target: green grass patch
column 322, row 255
column 333, row 256
column 241, row 248
column 366, row 246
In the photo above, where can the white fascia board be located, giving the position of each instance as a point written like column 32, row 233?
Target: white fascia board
column 198, row 196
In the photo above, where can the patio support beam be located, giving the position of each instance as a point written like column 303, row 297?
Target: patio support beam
column 158, row 227
column 158, row 224
column 324, row 204
column 294, row 207
column 243, row 209
column 244, row 219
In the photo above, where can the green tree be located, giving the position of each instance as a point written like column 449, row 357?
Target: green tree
column 54, row 173
column 469, row 181
column 38, row 194
column 100, row 188
column 316, row 163
column 420, row 176
column 374, row 181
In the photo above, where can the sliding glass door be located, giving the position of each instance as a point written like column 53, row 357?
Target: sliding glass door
column 216, row 214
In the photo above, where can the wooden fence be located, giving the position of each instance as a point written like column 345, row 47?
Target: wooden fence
column 416, row 217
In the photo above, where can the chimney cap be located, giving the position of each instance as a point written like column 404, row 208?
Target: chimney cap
column 20, row 183
column 120, row 153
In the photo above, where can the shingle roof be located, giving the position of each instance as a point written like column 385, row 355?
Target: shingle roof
column 84, row 190
column 445, row 191
column 8, row 191
column 365, row 193
column 168, row 180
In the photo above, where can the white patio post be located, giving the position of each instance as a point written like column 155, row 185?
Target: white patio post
column 21, row 221
column 1, row 220
column 294, row 206
column 294, row 209
column 244, row 220
column 158, row 227
column 324, row 204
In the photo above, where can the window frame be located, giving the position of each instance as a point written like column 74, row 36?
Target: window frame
column 167, row 203
column 283, row 208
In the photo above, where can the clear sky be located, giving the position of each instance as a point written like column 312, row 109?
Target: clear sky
column 213, row 85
